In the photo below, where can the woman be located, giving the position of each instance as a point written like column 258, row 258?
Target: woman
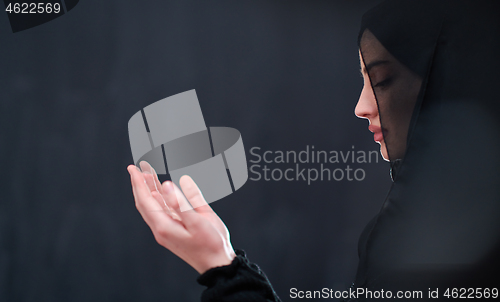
column 430, row 72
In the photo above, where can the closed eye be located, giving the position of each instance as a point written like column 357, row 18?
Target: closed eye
column 383, row 83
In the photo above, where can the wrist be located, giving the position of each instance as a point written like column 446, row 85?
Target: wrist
column 220, row 260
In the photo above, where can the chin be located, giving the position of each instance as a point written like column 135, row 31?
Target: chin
column 383, row 151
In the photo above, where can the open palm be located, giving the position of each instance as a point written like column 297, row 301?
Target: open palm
column 196, row 234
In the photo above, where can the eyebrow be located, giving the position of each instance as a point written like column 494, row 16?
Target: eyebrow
column 373, row 64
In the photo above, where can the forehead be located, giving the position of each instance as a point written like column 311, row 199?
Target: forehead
column 372, row 50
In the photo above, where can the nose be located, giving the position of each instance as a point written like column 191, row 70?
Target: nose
column 367, row 105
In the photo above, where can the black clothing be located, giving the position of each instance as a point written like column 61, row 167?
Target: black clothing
column 439, row 226
column 240, row 281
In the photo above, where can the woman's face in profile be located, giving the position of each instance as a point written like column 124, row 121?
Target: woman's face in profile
column 388, row 97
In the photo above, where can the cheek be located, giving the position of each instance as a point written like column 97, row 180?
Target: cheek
column 397, row 102
column 407, row 94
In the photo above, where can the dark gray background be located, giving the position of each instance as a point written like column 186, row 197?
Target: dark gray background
column 284, row 73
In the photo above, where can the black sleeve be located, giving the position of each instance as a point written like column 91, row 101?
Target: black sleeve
column 241, row 281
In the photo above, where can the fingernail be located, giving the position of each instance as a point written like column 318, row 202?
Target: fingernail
column 129, row 168
column 167, row 186
column 146, row 167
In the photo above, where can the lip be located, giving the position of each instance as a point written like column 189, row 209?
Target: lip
column 377, row 133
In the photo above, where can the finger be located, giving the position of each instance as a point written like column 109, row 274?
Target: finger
column 170, row 198
column 190, row 218
column 193, row 194
column 149, row 175
column 156, row 188
column 146, row 167
column 167, row 199
column 174, row 197
column 153, row 183
column 150, row 209
column 143, row 199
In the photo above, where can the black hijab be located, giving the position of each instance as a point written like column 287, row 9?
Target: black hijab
column 440, row 223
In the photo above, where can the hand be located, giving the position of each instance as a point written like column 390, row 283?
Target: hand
column 198, row 236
